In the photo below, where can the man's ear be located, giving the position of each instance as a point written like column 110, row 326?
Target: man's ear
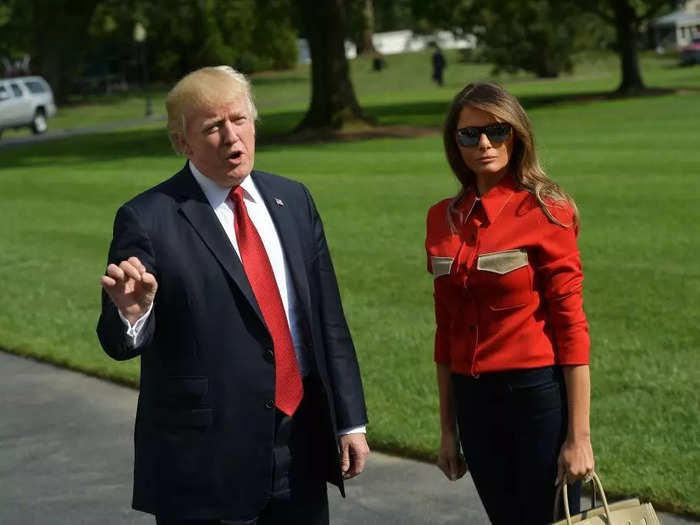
column 183, row 145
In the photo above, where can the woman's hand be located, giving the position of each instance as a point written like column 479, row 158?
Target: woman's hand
column 575, row 460
column 450, row 459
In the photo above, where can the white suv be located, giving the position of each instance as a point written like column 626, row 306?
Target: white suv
column 25, row 101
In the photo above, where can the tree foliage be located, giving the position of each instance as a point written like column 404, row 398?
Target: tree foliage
column 49, row 32
column 69, row 39
column 541, row 35
column 186, row 34
column 536, row 36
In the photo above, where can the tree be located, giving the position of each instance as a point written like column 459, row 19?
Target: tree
column 545, row 30
column 333, row 100
column 48, row 31
column 361, row 22
column 628, row 17
column 392, row 15
column 536, row 35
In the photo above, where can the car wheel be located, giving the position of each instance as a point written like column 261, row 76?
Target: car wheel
column 39, row 124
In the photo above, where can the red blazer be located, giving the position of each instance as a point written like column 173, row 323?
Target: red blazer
column 508, row 283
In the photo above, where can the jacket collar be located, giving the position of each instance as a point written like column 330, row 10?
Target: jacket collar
column 493, row 201
column 198, row 210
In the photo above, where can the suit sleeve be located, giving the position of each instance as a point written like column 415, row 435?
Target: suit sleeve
column 562, row 286
column 129, row 240
column 343, row 367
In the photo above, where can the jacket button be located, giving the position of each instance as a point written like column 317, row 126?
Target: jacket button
column 472, row 328
column 269, row 355
column 270, row 403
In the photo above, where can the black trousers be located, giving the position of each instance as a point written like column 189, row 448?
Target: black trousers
column 298, row 495
column 512, row 425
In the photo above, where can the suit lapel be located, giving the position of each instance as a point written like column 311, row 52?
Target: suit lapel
column 199, row 213
column 281, row 212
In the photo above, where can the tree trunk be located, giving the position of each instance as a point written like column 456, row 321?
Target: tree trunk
column 626, row 27
column 333, row 100
column 365, row 46
column 59, row 30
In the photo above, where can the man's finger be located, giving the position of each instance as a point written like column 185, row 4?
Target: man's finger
column 136, row 263
column 344, row 459
column 115, row 272
column 130, row 270
column 107, row 282
column 148, row 280
column 359, row 462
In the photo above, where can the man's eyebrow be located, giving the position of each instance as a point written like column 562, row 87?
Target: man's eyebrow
column 211, row 122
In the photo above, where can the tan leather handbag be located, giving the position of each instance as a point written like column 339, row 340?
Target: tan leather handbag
column 626, row 512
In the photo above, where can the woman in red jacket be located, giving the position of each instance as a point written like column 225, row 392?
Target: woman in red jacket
column 511, row 342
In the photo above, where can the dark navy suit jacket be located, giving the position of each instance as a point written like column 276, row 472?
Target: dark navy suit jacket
column 205, row 421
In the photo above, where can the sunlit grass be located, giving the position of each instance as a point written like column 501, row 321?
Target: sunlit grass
column 631, row 164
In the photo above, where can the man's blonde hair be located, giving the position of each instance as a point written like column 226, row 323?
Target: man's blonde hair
column 205, row 87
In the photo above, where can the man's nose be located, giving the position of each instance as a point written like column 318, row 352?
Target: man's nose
column 228, row 130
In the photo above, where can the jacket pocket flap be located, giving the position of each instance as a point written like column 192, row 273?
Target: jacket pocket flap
column 502, row 262
column 198, row 418
column 441, row 265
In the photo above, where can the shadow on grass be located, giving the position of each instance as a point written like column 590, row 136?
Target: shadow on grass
column 294, row 77
column 401, row 120
column 98, row 147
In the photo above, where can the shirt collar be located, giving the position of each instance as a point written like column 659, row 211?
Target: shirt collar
column 216, row 195
column 493, row 202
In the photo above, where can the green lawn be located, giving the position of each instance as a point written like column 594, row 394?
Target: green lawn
column 631, row 164
column 401, row 94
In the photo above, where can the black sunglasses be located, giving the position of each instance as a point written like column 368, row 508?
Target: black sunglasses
column 496, row 133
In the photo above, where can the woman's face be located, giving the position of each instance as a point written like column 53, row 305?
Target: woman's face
column 487, row 158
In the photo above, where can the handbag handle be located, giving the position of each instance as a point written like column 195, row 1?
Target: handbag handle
column 562, row 494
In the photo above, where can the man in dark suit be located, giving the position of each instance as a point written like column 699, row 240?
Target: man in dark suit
column 221, row 280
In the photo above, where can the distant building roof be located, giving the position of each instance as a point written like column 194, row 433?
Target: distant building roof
column 678, row 18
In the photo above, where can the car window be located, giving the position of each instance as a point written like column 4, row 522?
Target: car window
column 35, row 87
column 4, row 94
column 17, row 91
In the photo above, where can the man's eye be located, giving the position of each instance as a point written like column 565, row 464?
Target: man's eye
column 240, row 120
column 213, row 129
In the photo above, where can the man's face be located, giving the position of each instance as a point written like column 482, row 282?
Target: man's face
column 220, row 141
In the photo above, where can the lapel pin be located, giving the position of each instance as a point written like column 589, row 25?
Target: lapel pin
column 279, row 202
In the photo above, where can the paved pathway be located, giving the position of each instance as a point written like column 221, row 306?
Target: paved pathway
column 72, row 132
column 66, row 458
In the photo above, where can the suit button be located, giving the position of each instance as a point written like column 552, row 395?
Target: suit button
column 269, row 355
column 472, row 328
column 270, row 403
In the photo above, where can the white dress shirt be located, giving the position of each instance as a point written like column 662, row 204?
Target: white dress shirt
column 257, row 211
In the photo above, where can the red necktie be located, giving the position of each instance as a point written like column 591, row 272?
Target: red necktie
column 288, row 387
